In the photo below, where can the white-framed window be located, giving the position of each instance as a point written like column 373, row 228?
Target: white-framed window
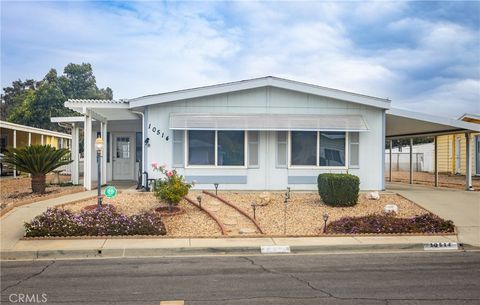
column 326, row 149
column 216, row 148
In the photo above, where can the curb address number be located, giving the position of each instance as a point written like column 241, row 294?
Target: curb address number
column 440, row 246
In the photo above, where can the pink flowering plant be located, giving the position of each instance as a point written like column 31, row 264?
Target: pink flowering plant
column 172, row 187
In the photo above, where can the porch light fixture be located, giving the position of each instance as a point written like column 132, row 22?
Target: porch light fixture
column 199, row 199
column 288, row 192
column 216, row 187
column 99, row 148
column 325, row 218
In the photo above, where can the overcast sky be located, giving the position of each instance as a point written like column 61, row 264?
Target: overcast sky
column 424, row 56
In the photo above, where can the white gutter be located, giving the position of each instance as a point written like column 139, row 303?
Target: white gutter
column 143, row 143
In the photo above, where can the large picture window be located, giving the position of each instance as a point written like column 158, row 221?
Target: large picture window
column 201, row 147
column 332, row 149
column 304, row 148
column 231, row 148
column 216, row 148
column 312, row 148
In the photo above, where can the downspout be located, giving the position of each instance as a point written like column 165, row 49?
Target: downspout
column 144, row 183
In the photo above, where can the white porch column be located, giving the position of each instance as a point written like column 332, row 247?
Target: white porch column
column 14, row 146
column 75, row 153
column 87, row 152
column 435, row 157
column 103, row 129
column 390, row 161
column 468, row 161
column 41, row 139
column 411, row 161
column 29, row 138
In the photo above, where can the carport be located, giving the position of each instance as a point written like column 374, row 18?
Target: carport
column 403, row 124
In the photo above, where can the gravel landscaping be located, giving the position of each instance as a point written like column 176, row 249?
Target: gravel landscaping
column 192, row 222
column 18, row 191
column 304, row 212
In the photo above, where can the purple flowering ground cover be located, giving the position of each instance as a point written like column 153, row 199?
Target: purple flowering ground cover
column 107, row 221
column 426, row 223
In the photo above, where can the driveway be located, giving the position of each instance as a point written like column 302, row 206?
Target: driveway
column 462, row 207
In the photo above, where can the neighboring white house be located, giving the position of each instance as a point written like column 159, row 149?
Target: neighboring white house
column 259, row 134
column 423, row 158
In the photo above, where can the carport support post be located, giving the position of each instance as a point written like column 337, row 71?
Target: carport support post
column 75, row 154
column 104, row 151
column 411, row 161
column 390, row 161
column 87, row 151
column 14, row 146
column 468, row 172
column 435, row 158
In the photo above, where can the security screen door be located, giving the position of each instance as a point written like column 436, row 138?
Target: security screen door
column 123, row 165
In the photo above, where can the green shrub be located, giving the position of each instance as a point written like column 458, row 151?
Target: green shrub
column 338, row 189
column 172, row 188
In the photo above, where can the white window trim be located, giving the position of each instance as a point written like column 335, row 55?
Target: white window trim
column 245, row 154
column 317, row 166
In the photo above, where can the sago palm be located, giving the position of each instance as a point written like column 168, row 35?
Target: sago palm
column 37, row 160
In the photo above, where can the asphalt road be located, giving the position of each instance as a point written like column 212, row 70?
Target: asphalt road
column 406, row 278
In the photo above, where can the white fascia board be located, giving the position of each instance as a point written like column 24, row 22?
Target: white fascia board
column 257, row 83
column 18, row 127
column 75, row 105
column 434, row 119
column 68, row 119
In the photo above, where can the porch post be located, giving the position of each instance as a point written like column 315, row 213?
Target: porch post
column 75, row 153
column 87, row 152
column 390, row 163
column 41, row 139
column 435, row 157
column 29, row 138
column 104, row 152
column 411, row 161
column 468, row 171
column 14, row 146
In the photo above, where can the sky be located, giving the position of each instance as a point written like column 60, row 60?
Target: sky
column 424, row 56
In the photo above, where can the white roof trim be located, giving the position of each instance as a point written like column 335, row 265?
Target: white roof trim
column 35, row 130
column 267, row 121
column 455, row 124
column 257, row 83
column 469, row 116
column 68, row 119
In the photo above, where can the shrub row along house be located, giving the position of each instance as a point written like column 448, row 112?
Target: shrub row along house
column 259, row 134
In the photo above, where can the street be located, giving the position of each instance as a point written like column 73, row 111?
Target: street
column 373, row 278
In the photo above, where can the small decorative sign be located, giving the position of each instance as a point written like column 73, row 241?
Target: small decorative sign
column 110, row 191
column 440, row 246
column 274, row 249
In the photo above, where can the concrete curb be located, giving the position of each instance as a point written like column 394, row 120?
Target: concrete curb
column 191, row 251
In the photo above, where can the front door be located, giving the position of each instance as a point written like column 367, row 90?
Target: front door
column 123, row 165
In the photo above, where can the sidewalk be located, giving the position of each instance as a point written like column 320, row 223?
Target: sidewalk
column 461, row 206
column 111, row 248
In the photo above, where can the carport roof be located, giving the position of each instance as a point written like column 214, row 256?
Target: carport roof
column 403, row 123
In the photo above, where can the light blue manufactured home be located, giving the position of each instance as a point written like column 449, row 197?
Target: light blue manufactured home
column 259, row 134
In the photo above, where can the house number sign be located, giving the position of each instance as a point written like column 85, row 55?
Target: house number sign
column 158, row 132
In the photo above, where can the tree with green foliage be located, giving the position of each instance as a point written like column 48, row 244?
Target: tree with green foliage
column 32, row 103
column 37, row 160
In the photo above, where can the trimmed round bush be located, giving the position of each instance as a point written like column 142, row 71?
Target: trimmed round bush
column 339, row 190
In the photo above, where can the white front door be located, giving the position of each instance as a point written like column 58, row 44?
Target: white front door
column 123, row 153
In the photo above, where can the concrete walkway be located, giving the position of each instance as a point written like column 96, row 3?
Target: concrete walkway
column 461, row 206
column 11, row 224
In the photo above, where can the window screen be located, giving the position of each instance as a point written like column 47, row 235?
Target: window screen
column 281, row 149
column 354, row 140
column 253, row 148
column 178, row 148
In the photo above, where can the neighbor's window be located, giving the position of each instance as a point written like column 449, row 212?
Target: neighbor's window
column 201, row 147
column 231, row 148
column 304, row 148
column 332, row 148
